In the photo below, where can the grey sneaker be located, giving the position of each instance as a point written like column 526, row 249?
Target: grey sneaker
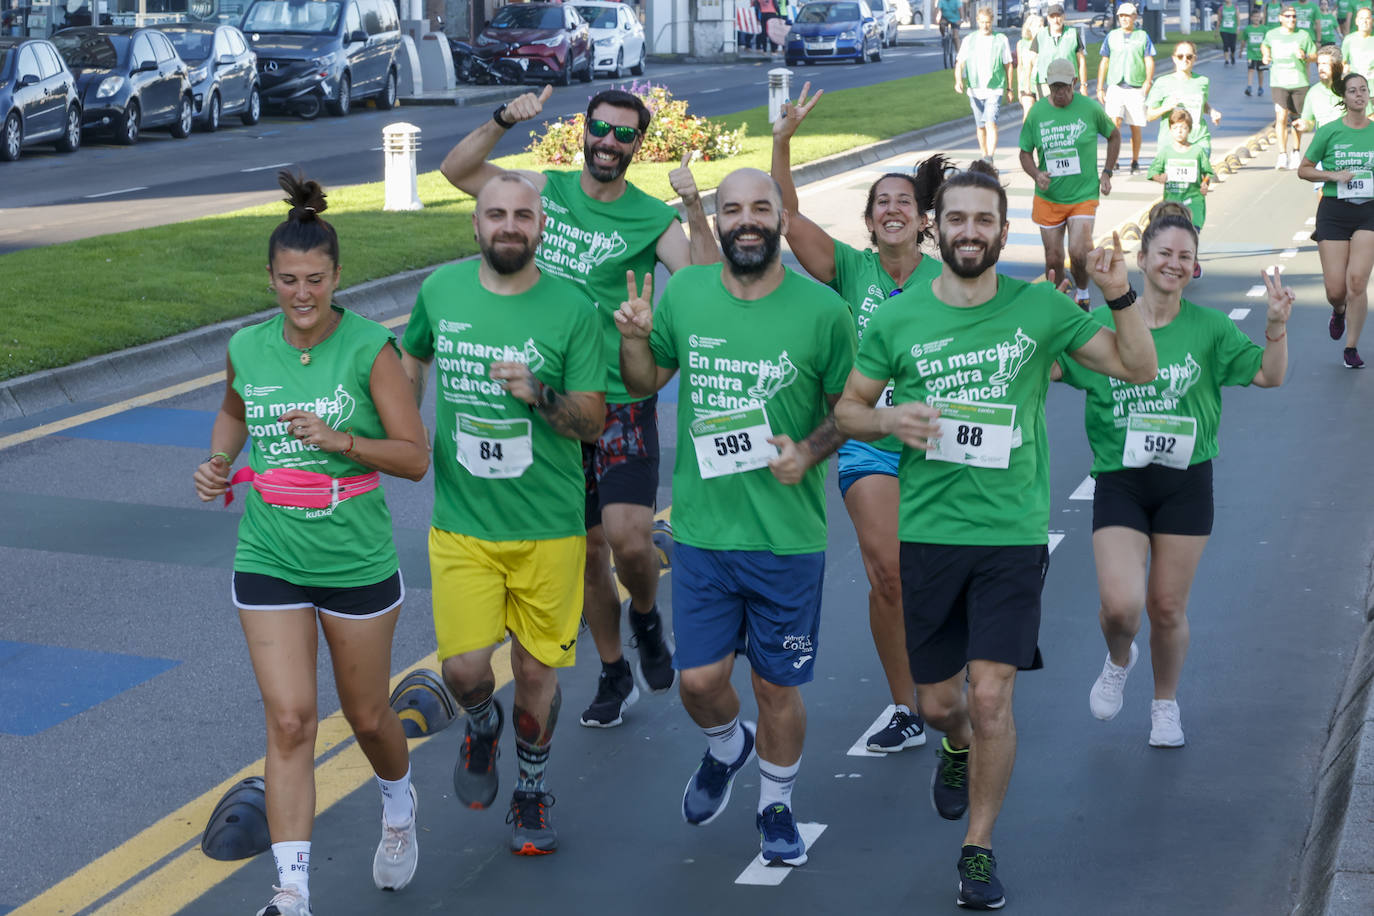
column 286, row 902
column 398, row 853
column 475, row 779
column 1105, row 698
column 531, row 832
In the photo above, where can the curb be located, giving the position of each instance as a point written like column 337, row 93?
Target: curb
column 476, row 97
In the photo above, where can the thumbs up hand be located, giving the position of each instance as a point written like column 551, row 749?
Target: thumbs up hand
column 682, row 181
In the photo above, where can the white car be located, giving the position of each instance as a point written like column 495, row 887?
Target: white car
column 617, row 36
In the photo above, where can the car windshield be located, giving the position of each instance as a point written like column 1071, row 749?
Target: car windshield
column 316, row 16
column 83, row 49
column 599, row 17
column 192, row 44
column 522, row 16
column 829, row 12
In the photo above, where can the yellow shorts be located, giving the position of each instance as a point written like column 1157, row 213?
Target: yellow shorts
column 1048, row 215
column 482, row 589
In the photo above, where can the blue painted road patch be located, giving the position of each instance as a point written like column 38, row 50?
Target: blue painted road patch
column 42, row 686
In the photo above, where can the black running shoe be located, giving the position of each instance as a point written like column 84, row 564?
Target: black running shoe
column 531, row 832
column 1135, row 167
column 615, row 693
column 949, row 785
column 1352, row 359
column 1336, row 326
column 655, row 658
column 979, row 888
column 475, row 779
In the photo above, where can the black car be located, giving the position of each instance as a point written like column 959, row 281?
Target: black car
column 224, row 71
column 38, row 98
column 130, row 80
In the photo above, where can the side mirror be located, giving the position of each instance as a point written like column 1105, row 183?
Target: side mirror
column 147, row 66
column 357, row 35
column 224, row 60
column 28, row 79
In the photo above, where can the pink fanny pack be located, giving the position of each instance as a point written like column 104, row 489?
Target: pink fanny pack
column 303, row 489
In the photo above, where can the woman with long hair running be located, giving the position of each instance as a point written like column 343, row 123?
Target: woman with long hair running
column 896, row 218
column 323, row 395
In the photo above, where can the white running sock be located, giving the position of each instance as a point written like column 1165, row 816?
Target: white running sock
column 293, row 865
column 902, row 707
column 1083, row 294
column 396, row 804
column 775, row 783
column 725, row 742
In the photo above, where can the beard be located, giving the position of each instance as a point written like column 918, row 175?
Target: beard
column 991, row 252
column 601, row 173
column 507, row 259
column 748, row 261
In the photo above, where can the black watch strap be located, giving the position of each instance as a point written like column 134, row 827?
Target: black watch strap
column 1122, row 302
column 496, row 116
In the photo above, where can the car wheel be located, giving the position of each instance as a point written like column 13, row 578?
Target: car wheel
column 877, row 53
column 12, row 138
column 587, row 74
column 71, row 139
column 638, row 69
column 212, row 113
column 253, row 110
column 340, row 106
column 128, row 125
column 309, row 107
column 387, row 100
column 181, row 128
column 791, row 62
column 565, row 76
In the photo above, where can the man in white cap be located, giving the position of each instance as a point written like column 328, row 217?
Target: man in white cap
column 1125, row 75
column 1054, row 43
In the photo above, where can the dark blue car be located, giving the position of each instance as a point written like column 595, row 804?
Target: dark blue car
column 834, row 30
column 38, row 98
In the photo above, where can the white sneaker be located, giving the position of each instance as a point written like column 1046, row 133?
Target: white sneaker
column 398, row 853
column 1105, row 698
column 1166, row 730
column 1282, row 161
column 287, row 902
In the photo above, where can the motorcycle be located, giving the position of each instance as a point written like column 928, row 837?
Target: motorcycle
column 484, row 67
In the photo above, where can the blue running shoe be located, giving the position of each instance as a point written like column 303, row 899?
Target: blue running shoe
column 979, row 888
column 708, row 791
column 779, row 841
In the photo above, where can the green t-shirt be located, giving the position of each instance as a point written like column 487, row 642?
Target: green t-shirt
column 1125, row 53
column 1200, row 352
column 1271, row 13
column 1183, row 170
column 984, row 60
column 1228, row 18
column 1357, row 51
column 1307, row 18
column 346, row 546
column 1252, row 36
column 1066, row 139
column 1330, row 31
column 866, row 286
column 1047, row 48
column 501, row 473
column 1338, row 147
column 1343, row 9
column 785, row 353
column 1175, row 89
column 1322, row 106
column 593, row 243
column 998, row 353
column 1288, row 54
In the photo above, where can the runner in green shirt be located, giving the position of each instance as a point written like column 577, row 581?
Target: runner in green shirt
column 1058, row 43
column 1287, row 50
column 1187, row 89
column 1153, row 446
column 1125, row 74
column 519, row 381
column 870, row 280
column 1345, row 218
column 1252, row 36
column 322, row 394
column 1031, row 27
column 1357, row 50
column 983, row 66
column 1322, row 106
column 1185, row 170
column 1307, row 17
column 600, row 225
column 971, row 362
column 764, row 354
column 1328, row 27
column 1354, row 8
column 1226, row 28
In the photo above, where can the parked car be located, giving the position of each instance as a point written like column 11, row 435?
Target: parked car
column 907, row 13
column 223, row 74
column 548, row 40
column 38, row 98
column 130, row 80
column 318, row 52
column 834, row 30
column 885, row 11
column 617, row 37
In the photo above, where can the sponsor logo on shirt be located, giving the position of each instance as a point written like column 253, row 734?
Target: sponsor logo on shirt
column 452, row 327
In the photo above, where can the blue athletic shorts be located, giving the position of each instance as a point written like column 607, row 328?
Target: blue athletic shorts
column 859, row 459
column 985, row 111
column 763, row 604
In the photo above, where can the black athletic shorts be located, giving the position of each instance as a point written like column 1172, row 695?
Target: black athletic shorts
column 1338, row 220
column 257, row 592
column 964, row 603
column 1156, row 499
column 1289, row 99
column 1258, row 66
column 622, row 467
column 1228, row 42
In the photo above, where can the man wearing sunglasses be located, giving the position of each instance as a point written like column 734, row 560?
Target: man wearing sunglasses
column 598, row 226
column 1286, row 51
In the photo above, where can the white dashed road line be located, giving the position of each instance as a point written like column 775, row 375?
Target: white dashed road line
column 263, row 168
column 1085, row 489
column 120, row 191
column 772, row 875
column 1254, row 292
column 1238, row 314
column 1288, row 253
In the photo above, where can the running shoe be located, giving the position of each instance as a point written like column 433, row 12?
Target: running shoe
column 949, row 784
column 1352, row 359
column 903, row 730
column 1282, row 161
column 979, row 888
column 615, row 693
column 1166, row 729
column 708, row 791
column 655, row 658
column 1105, row 698
column 1336, row 326
column 1085, row 304
column 1135, row 167
column 286, row 902
column 475, row 779
column 531, row 833
column 1247, row 90
column 398, row 853
column 779, row 841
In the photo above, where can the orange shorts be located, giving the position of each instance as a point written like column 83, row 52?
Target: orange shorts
column 1051, row 216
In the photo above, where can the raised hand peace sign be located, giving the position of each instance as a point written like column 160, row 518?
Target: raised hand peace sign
column 1281, row 298
column 635, row 317
column 793, row 113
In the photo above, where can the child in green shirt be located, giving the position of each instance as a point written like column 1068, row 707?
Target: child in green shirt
column 1252, row 39
column 1185, row 171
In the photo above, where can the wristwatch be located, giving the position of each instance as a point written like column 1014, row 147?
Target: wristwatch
column 1122, row 302
column 1107, row 173
column 496, row 116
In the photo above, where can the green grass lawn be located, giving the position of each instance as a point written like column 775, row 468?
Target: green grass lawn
column 63, row 303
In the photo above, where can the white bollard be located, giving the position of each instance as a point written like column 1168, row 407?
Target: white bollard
column 400, row 143
column 779, row 91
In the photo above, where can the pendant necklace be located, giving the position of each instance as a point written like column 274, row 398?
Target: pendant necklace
column 305, row 351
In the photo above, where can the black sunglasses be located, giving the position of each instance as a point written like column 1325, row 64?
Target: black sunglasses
column 623, row 132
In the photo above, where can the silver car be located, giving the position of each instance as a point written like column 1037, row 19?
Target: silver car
column 617, row 37
column 223, row 71
column 885, row 11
